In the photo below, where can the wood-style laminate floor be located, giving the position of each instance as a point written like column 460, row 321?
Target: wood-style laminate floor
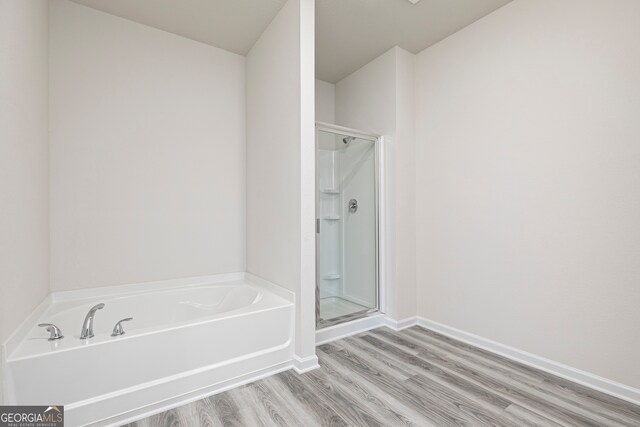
column 410, row 378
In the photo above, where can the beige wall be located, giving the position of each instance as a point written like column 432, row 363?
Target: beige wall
column 273, row 151
column 280, row 162
column 325, row 102
column 528, row 182
column 147, row 153
column 404, row 203
column 378, row 98
column 24, row 188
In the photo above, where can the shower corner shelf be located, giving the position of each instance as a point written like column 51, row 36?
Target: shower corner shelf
column 330, row 191
column 331, row 217
column 330, row 276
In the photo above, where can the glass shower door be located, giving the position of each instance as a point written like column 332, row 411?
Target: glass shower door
column 347, row 226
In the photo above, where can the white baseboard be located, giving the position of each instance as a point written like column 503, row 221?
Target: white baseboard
column 357, row 326
column 305, row 364
column 300, row 365
column 586, row 379
column 348, row 329
column 398, row 325
column 166, row 405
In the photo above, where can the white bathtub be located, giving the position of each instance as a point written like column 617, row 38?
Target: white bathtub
column 187, row 339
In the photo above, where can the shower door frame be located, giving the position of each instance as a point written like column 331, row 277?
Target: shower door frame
column 377, row 143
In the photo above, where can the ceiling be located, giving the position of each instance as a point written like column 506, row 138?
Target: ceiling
column 232, row 25
column 349, row 33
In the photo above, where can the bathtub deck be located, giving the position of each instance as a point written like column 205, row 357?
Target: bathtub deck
column 413, row 377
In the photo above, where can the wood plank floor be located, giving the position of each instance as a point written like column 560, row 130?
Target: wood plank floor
column 410, row 378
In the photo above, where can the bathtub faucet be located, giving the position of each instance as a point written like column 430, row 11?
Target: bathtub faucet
column 87, row 327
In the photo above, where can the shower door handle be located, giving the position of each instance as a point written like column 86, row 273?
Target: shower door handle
column 317, row 225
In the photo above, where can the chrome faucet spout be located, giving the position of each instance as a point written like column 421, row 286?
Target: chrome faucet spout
column 87, row 326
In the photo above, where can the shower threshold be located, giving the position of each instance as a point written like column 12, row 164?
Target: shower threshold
column 335, row 310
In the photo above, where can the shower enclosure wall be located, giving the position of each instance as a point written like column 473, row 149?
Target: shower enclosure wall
column 347, row 224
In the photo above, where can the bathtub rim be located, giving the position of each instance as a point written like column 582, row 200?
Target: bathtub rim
column 156, row 395
column 11, row 344
column 10, row 357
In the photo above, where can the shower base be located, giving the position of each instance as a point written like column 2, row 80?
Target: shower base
column 332, row 307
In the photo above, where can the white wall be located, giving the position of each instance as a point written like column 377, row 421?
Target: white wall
column 280, row 161
column 325, row 102
column 147, row 153
column 365, row 99
column 528, row 182
column 404, row 200
column 273, row 151
column 377, row 98
column 24, row 188
column 305, row 306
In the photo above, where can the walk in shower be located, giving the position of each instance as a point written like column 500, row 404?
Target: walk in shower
column 347, row 285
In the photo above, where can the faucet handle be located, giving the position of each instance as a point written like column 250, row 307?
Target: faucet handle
column 117, row 330
column 56, row 333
